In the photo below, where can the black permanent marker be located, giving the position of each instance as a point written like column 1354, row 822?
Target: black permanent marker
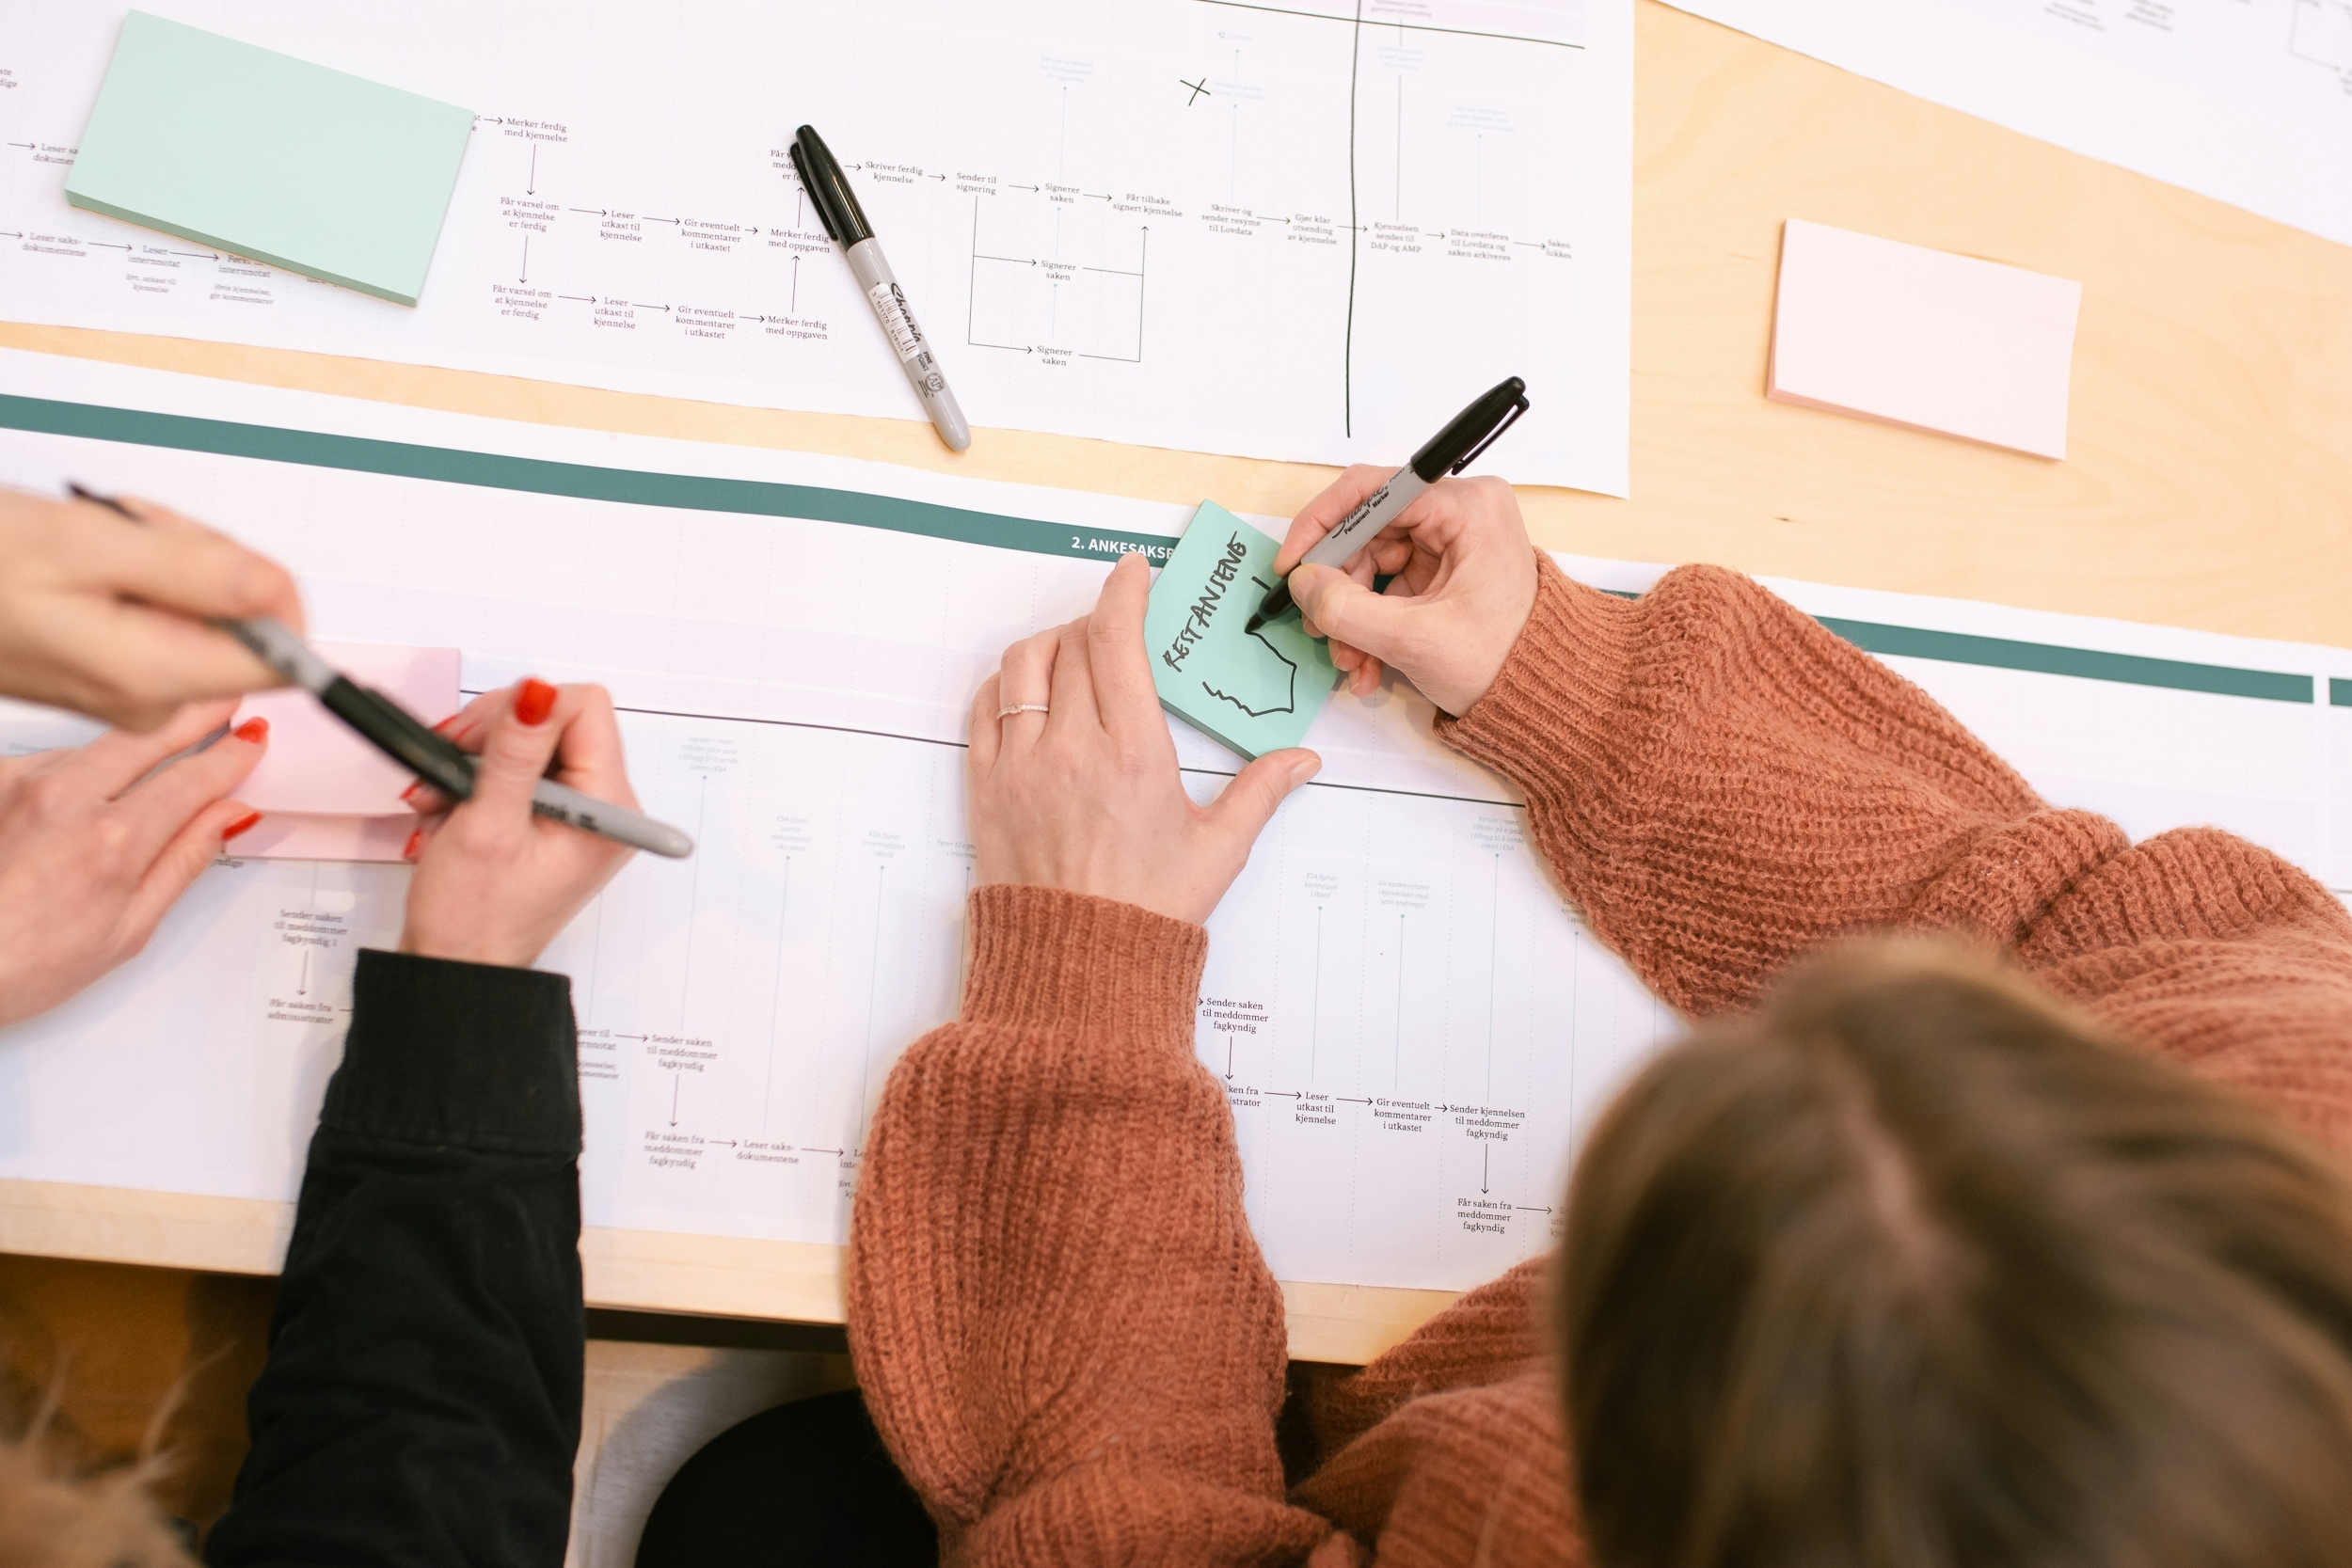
column 838, row 208
column 1449, row 452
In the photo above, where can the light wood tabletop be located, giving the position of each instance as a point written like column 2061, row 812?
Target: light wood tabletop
column 2208, row 484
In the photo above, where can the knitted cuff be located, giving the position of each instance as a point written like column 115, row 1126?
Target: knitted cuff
column 1550, row 707
column 1043, row 958
column 474, row 1055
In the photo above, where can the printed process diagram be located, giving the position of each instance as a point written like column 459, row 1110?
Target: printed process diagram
column 1288, row 232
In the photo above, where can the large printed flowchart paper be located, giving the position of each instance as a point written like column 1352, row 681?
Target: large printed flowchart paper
column 1411, row 1028
column 1307, row 231
column 2248, row 102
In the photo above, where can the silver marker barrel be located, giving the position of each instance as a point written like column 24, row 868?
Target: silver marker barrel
column 873, row 273
column 847, row 225
column 562, row 803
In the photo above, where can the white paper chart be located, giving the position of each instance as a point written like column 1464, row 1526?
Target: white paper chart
column 2245, row 101
column 1309, row 232
column 1412, row 1029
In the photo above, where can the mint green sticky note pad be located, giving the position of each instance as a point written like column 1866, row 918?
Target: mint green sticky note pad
column 248, row 150
column 1256, row 692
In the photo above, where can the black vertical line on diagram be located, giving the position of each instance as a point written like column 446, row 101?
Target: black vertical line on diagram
column 1348, row 349
column 784, row 915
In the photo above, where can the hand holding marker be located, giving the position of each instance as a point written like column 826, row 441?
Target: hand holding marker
column 407, row 740
column 1449, row 452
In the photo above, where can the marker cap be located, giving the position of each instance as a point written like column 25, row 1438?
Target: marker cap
column 829, row 189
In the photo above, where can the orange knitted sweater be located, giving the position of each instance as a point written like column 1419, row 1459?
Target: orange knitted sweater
column 1062, row 1325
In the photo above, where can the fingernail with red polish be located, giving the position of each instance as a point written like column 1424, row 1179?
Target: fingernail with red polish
column 410, row 793
column 442, row 728
column 241, row 825
column 533, row 701
column 416, row 839
column 253, row 730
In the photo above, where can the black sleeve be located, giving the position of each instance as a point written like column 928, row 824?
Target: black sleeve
column 421, row 1404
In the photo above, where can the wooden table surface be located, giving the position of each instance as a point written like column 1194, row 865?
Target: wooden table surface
column 2208, row 484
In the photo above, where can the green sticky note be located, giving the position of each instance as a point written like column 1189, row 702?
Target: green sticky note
column 1254, row 692
column 247, row 151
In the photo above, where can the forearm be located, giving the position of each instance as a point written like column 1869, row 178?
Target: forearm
column 1719, row 783
column 421, row 1404
column 1061, row 1320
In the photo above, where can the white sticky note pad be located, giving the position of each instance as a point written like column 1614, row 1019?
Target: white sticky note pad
column 1923, row 338
column 323, row 792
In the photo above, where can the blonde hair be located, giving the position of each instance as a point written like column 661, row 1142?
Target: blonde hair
column 51, row 1518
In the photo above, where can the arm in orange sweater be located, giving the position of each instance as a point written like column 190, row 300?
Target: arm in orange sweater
column 1721, row 782
column 1060, row 1318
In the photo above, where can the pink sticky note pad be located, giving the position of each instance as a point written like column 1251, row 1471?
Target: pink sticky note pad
column 323, row 792
column 1923, row 338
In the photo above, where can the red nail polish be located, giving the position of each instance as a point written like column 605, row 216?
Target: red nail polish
column 253, row 730
column 410, row 793
column 243, row 824
column 533, row 701
column 409, row 850
column 442, row 728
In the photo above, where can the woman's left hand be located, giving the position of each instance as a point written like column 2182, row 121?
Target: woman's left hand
column 1086, row 796
column 93, row 849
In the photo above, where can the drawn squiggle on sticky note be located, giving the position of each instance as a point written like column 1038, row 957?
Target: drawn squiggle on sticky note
column 1253, row 692
column 1289, row 685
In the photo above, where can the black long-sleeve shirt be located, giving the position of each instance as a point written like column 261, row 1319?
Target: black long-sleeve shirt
column 421, row 1402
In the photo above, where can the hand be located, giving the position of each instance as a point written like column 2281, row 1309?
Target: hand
column 107, row 616
column 494, row 883
column 1464, row 583
column 93, row 851
column 1087, row 796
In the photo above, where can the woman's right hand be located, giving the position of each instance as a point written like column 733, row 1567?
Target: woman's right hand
column 494, row 883
column 105, row 615
column 1463, row 584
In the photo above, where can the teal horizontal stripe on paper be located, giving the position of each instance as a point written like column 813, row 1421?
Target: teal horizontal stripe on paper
column 2049, row 659
column 2339, row 692
column 1955, row 647
column 693, row 492
column 758, row 497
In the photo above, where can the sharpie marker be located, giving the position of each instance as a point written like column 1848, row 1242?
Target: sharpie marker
column 845, row 221
column 410, row 742
column 1449, row 452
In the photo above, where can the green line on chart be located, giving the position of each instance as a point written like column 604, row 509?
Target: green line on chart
column 1031, row 535
column 2051, row 658
column 630, row 487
